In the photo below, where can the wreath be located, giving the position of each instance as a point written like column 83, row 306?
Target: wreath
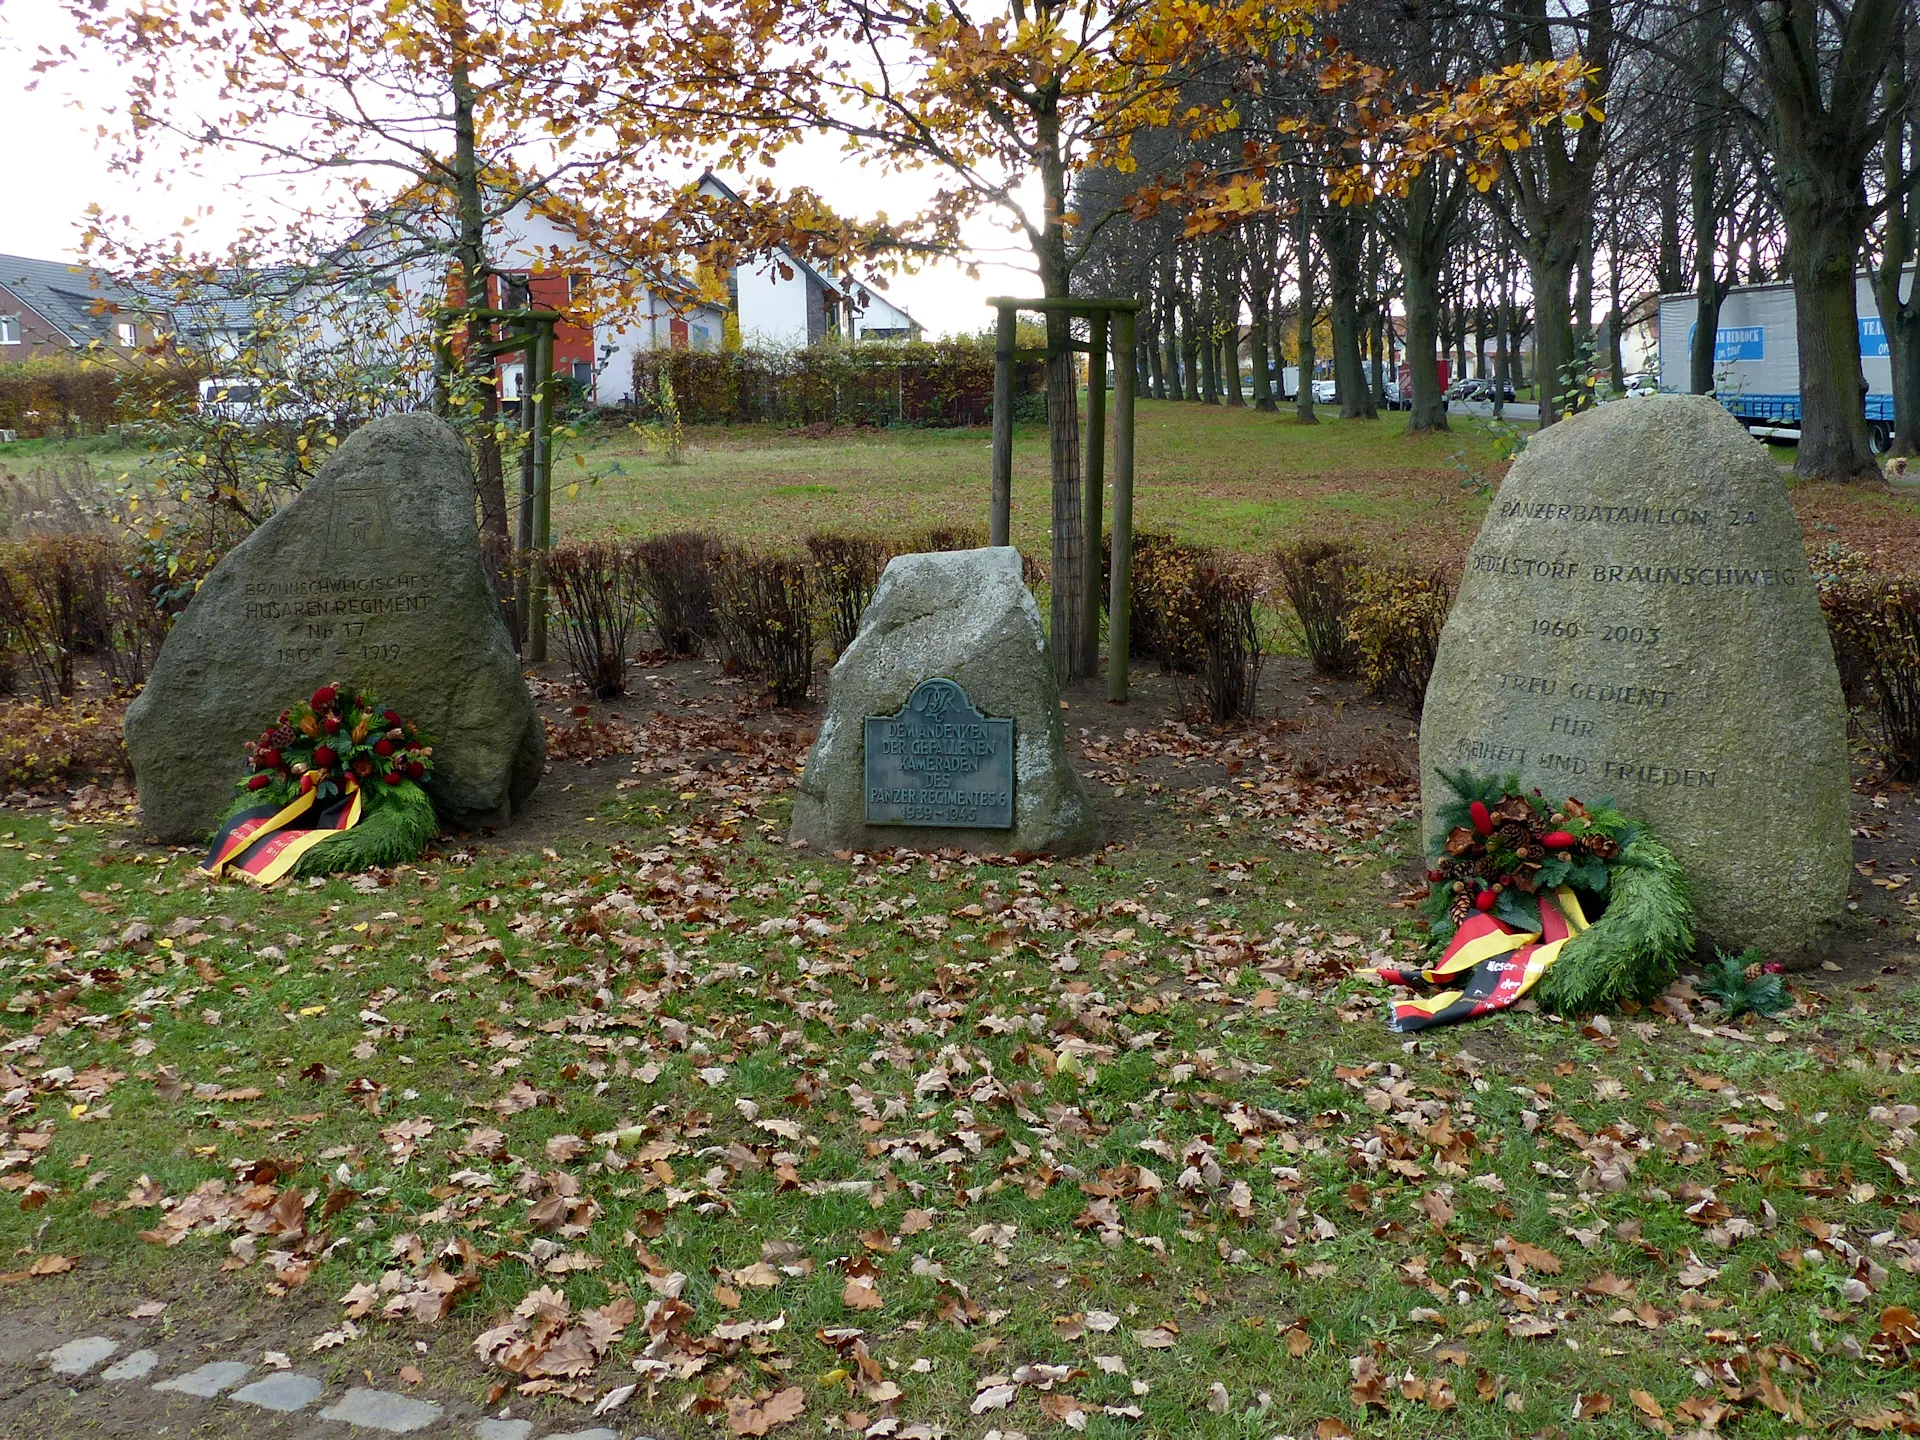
column 334, row 784
column 1576, row 902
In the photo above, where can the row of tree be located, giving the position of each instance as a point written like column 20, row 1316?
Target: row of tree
column 1745, row 140
column 1219, row 150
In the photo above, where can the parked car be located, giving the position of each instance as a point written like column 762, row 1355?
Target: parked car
column 1645, row 383
column 1390, row 395
column 1325, row 393
column 252, row 401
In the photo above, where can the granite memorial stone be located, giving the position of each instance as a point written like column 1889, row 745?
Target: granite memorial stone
column 943, row 720
column 371, row 576
column 1637, row 620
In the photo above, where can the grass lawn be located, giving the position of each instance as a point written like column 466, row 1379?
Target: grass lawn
column 929, row 1145
column 1114, row 1143
column 1233, row 477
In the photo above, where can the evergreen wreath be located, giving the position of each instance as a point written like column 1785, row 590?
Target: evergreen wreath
column 316, row 745
column 1500, row 848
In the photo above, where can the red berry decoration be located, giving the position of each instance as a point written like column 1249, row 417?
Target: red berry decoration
column 1482, row 817
column 415, row 770
column 1557, row 840
column 268, row 759
column 393, row 777
column 324, row 696
column 392, row 717
column 383, row 747
column 324, row 756
column 258, row 782
column 1485, row 901
column 331, row 724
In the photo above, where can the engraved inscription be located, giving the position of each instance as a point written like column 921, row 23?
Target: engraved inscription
column 339, row 617
column 1565, row 732
column 939, row 761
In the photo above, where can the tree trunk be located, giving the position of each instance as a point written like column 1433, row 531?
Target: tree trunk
column 1189, row 338
column 1303, row 243
column 1209, row 350
column 1259, row 329
column 1903, row 351
column 1063, row 423
column 1822, row 66
column 1899, row 237
column 1552, row 276
column 1502, row 346
column 490, row 481
column 1170, row 339
column 1823, row 242
column 1428, row 410
column 1342, row 243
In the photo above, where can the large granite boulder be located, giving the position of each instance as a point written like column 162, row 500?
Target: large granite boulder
column 1637, row 620
column 370, row 577
column 963, row 616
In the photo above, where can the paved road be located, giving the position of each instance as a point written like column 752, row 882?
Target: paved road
column 1517, row 412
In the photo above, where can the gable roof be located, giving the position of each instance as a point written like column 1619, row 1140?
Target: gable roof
column 727, row 192
column 77, row 300
column 862, row 294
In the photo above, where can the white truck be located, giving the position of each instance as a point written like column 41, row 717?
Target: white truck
column 1756, row 357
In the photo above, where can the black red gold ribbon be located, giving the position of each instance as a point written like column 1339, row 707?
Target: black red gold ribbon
column 262, row 843
column 1499, row 964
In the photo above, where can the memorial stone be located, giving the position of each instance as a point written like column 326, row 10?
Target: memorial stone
column 1637, row 620
column 943, row 721
column 370, row 577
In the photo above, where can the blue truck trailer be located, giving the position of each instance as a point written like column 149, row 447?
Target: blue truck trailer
column 1756, row 369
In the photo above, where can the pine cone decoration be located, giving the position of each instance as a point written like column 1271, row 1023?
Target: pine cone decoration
column 1514, row 832
column 1601, row 847
column 1460, row 909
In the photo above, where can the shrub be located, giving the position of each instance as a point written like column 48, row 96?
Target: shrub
column 674, row 576
column 43, row 747
column 937, row 538
column 1168, row 620
column 1317, row 578
column 1395, row 619
column 1220, row 604
column 595, row 595
column 65, row 596
column 1875, row 624
column 847, row 568
column 765, row 608
column 943, row 382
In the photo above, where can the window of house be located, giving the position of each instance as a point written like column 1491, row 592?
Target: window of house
column 516, row 292
column 126, row 333
column 9, row 329
column 583, row 374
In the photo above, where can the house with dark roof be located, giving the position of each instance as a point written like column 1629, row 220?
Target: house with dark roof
column 51, row 307
column 777, row 298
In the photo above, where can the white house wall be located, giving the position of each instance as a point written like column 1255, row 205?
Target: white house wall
column 521, row 241
column 773, row 308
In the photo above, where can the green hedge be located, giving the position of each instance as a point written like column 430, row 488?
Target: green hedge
column 68, row 397
column 940, row 382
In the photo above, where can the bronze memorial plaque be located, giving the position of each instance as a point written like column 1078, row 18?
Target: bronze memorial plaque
column 939, row 761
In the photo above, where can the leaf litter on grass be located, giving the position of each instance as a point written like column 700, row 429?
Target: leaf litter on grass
column 898, row 1144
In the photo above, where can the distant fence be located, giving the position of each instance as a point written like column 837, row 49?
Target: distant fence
column 941, row 382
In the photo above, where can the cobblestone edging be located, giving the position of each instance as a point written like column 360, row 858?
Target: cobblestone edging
column 283, row 1392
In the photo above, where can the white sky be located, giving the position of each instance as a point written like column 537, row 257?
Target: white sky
column 54, row 171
